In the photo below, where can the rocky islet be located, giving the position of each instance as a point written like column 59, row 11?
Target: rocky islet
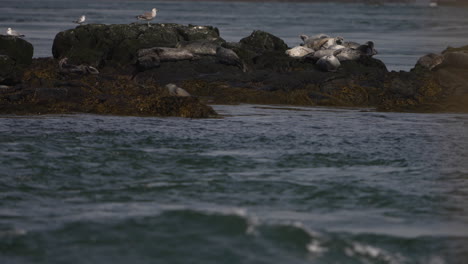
column 135, row 62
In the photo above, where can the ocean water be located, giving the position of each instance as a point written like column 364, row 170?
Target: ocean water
column 263, row 184
column 402, row 32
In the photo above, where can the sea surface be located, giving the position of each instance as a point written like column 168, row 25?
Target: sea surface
column 402, row 32
column 262, row 184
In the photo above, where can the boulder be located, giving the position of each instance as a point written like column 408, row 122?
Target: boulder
column 15, row 55
column 263, row 41
column 17, row 49
column 117, row 45
column 457, row 59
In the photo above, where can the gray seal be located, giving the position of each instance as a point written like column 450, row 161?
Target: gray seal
column 199, row 47
column 351, row 44
column 174, row 90
column 167, row 54
column 328, row 63
column 229, row 57
column 309, row 41
column 322, row 53
column 65, row 67
column 367, row 49
column 347, row 54
column 325, row 43
column 430, row 61
column 299, row 52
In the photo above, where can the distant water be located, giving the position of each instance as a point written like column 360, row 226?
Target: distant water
column 402, row 33
column 264, row 184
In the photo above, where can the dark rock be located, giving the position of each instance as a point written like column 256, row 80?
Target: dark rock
column 137, row 61
column 263, row 41
column 17, row 49
column 117, row 45
column 44, row 91
column 452, row 49
column 47, row 95
column 402, row 84
column 458, row 59
column 9, row 70
column 15, row 55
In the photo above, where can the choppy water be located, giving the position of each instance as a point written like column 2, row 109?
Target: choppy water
column 261, row 185
column 402, row 33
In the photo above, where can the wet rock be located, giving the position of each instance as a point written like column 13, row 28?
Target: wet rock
column 457, row 59
column 263, row 41
column 136, row 62
column 117, row 45
column 9, row 70
column 15, row 55
column 17, row 49
column 44, row 90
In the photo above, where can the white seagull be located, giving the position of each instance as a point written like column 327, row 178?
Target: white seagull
column 80, row 21
column 11, row 32
column 148, row 16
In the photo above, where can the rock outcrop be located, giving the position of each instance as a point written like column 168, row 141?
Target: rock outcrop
column 437, row 83
column 15, row 55
column 45, row 90
column 118, row 45
column 135, row 63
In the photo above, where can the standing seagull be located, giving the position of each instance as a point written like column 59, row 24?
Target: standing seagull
column 11, row 32
column 148, row 16
column 81, row 20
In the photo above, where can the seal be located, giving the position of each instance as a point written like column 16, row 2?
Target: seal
column 336, row 47
column 351, row 44
column 325, row 43
column 199, row 47
column 367, row 49
column 347, row 54
column 65, row 67
column 322, row 53
column 298, row 51
column 430, row 61
column 308, row 41
column 174, row 90
column 328, row 63
column 229, row 57
column 354, row 54
column 167, row 54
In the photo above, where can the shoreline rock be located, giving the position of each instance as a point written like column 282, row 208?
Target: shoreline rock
column 15, row 55
column 135, row 63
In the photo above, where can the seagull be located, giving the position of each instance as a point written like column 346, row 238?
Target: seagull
column 81, row 20
column 148, row 16
column 11, row 32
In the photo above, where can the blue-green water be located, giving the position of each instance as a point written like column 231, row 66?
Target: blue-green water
column 402, row 32
column 260, row 185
